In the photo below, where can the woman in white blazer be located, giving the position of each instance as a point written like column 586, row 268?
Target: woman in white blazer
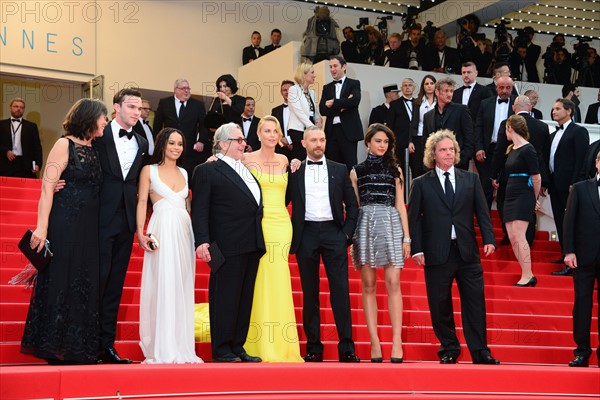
column 304, row 108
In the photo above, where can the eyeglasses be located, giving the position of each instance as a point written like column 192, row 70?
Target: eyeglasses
column 185, row 89
column 240, row 140
column 146, row 108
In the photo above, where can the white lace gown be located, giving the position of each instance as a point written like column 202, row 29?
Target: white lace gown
column 167, row 293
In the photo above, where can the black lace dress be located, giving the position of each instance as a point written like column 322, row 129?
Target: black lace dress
column 62, row 322
column 377, row 240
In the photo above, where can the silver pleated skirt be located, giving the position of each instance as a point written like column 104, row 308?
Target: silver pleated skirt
column 377, row 241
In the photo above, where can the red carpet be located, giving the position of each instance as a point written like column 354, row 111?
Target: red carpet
column 530, row 326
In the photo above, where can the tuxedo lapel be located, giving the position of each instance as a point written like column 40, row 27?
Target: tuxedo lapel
column 592, row 189
column 137, row 161
column 331, row 182
column 111, row 152
column 233, row 176
column 302, row 182
column 437, row 187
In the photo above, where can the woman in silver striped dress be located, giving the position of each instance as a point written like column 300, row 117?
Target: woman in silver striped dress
column 381, row 239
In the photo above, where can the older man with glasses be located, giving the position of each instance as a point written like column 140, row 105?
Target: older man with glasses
column 183, row 112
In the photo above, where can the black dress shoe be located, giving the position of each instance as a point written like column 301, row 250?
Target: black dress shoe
column 349, row 358
column 579, row 361
column 396, row 360
column 532, row 282
column 447, row 359
column 245, row 357
column 566, row 271
column 313, row 357
column 110, row 356
column 228, row 358
column 376, row 359
column 487, row 359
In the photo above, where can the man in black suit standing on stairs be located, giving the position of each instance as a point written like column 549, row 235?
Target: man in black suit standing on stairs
column 122, row 153
column 568, row 145
column 322, row 231
column 399, row 118
column 227, row 212
column 471, row 93
column 143, row 126
column 282, row 113
column 440, row 213
column 181, row 111
column 582, row 254
column 249, row 124
column 339, row 103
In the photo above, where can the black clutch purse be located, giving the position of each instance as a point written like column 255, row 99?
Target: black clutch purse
column 38, row 260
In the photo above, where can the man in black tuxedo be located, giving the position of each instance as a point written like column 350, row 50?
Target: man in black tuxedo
column 524, row 65
column 282, row 113
column 20, row 147
column 492, row 112
column 249, row 124
column 438, row 57
column 227, row 213
column 440, row 213
column 539, row 137
column 187, row 114
column 500, row 69
column 582, row 254
column 568, row 145
column 143, row 126
column 122, row 153
column 451, row 116
column 392, row 56
column 350, row 49
column 411, row 50
column 588, row 170
column 339, row 103
column 471, row 93
column 323, row 232
column 380, row 113
column 399, row 118
column 593, row 113
column 275, row 41
column 253, row 51
column 534, row 97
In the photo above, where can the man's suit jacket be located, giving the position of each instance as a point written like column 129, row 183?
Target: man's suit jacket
column 539, row 137
column 30, row 144
column 341, row 198
column 391, row 58
column 484, row 127
column 588, row 169
column 530, row 67
column 379, row 115
column 431, row 59
column 345, row 107
column 277, row 112
column 478, row 94
column 249, row 54
column 537, row 114
column 225, row 211
column 351, row 52
column 569, row 156
column 398, row 120
column 581, row 228
column 115, row 187
column 457, row 118
column 270, row 48
column 191, row 123
column 431, row 217
column 591, row 117
column 252, row 136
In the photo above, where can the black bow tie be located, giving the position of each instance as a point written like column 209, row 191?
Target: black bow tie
column 314, row 162
column 16, row 120
column 336, row 82
column 467, row 87
column 123, row 132
column 247, row 119
column 407, row 100
column 559, row 128
column 500, row 101
column 147, row 123
column 285, row 106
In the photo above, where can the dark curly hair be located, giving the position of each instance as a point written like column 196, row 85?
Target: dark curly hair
column 81, row 120
column 229, row 80
column 160, row 144
column 389, row 158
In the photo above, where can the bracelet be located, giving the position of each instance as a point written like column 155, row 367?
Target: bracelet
column 406, row 240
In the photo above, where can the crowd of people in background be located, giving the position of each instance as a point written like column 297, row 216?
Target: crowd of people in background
column 244, row 170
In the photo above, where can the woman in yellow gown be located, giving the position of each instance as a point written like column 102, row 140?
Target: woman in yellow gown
column 273, row 334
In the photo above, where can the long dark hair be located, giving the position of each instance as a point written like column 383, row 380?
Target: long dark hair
column 389, row 157
column 419, row 99
column 160, row 144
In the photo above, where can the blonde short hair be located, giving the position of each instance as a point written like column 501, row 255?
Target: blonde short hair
column 433, row 140
column 302, row 70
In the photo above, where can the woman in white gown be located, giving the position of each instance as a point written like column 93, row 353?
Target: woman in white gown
column 167, row 293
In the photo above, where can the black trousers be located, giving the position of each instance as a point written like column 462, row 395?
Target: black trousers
column 339, row 148
column 415, row 160
column 584, row 278
column 327, row 240
column 230, row 294
column 116, row 241
column 298, row 151
column 469, row 278
column 558, row 201
column 17, row 169
column 485, row 174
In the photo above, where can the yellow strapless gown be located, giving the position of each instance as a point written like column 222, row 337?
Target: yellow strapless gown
column 273, row 334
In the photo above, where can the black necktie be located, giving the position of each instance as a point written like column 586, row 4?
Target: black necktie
column 182, row 108
column 336, row 82
column 314, row 162
column 16, row 120
column 247, row 119
column 123, row 132
column 502, row 101
column 448, row 189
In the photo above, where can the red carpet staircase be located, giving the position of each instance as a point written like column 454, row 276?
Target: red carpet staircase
column 529, row 330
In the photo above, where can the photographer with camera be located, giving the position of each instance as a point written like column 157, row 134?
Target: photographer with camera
column 391, row 56
column 350, row 47
column 523, row 61
column 586, row 63
column 502, row 46
column 467, row 37
column 411, row 50
column 372, row 51
column 438, row 57
column 557, row 62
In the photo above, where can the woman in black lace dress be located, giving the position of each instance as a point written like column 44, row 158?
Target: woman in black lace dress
column 62, row 322
column 381, row 239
